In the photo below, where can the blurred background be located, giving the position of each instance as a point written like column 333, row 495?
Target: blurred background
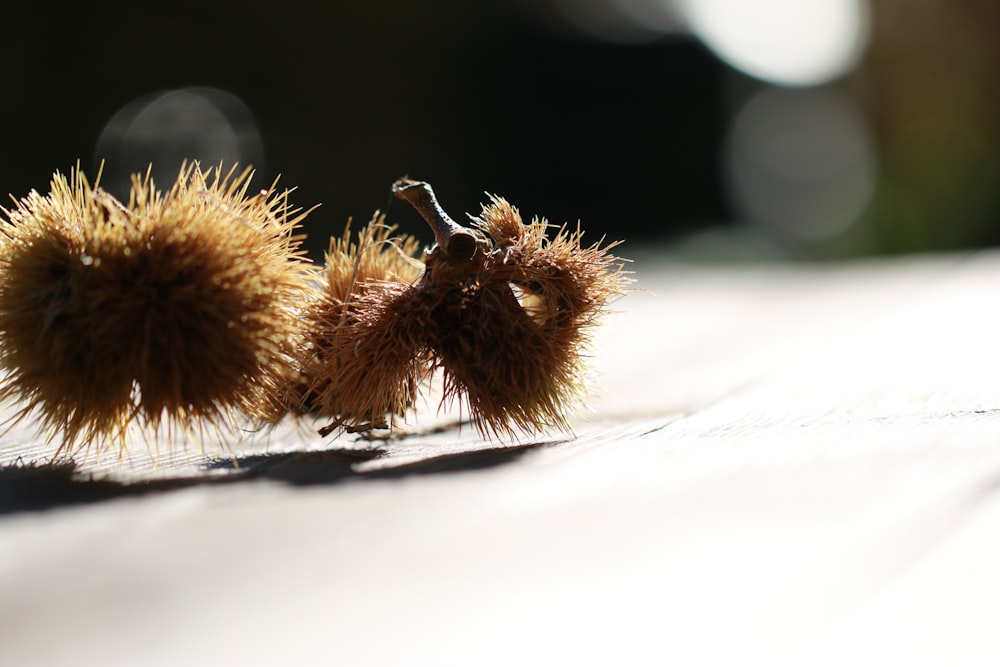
column 718, row 128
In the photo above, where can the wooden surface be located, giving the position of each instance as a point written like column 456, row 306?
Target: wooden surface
column 786, row 465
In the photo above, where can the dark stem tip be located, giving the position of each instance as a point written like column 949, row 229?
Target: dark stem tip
column 458, row 242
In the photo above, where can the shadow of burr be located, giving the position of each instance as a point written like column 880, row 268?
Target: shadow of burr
column 33, row 487
column 452, row 462
column 299, row 468
column 324, row 467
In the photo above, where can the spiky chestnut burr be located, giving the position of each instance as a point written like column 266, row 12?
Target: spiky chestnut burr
column 361, row 360
column 176, row 310
column 505, row 312
column 510, row 323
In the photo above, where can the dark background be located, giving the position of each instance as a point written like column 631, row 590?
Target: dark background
column 502, row 97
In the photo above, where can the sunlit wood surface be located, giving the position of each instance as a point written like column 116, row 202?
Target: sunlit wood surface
column 784, row 465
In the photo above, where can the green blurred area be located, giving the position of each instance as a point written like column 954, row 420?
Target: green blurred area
column 932, row 83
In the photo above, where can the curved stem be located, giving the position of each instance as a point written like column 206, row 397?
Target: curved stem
column 458, row 242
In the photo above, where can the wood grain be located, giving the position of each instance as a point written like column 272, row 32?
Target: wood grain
column 786, row 465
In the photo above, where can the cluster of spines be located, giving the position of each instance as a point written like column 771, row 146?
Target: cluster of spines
column 196, row 308
column 170, row 311
column 532, row 370
column 356, row 362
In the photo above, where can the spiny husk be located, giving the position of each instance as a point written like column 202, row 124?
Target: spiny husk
column 364, row 359
column 513, row 334
column 176, row 310
column 510, row 328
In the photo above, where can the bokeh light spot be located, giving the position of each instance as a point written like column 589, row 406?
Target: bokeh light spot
column 165, row 129
column 786, row 42
column 801, row 164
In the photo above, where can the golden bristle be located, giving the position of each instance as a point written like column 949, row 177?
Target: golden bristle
column 177, row 308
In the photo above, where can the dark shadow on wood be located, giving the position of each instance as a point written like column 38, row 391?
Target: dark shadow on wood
column 33, row 487
column 458, row 461
column 300, row 468
column 43, row 486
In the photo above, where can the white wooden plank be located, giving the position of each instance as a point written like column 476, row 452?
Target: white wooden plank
column 789, row 464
